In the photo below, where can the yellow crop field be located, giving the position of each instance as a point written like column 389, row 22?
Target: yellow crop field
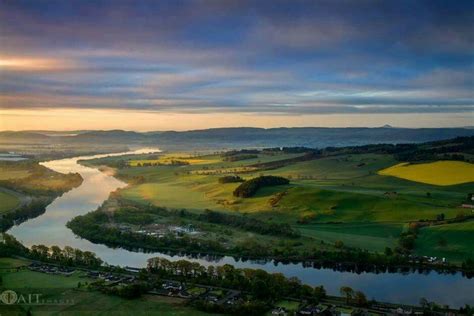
column 169, row 160
column 437, row 173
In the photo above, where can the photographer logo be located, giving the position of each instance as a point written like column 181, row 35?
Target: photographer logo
column 8, row 297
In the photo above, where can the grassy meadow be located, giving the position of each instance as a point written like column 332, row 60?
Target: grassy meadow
column 454, row 241
column 9, row 202
column 344, row 198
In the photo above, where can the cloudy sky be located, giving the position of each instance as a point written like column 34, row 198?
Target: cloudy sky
column 156, row 65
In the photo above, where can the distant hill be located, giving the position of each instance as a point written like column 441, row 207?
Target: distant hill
column 248, row 137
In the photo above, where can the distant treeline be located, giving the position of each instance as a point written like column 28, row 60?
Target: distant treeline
column 452, row 149
column 311, row 154
column 240, row 152
column 230, row 179
column 239, row 157
column 250, row 187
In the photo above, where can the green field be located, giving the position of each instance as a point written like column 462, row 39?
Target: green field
column 373, row 236
column 79, row 301
column 371, row 209
column 454, row 241
column 9, row 202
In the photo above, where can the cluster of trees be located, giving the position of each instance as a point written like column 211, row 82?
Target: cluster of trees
column 230, row 179
column 451, row 149
column 241, row 152
column 252, row 307
column 31, row 210
column 240, row 157
column 289, row 150
column 86, row 227
column 128, row 291
column 250, row 187
column 67, row 256
column 356, row 297
column 270, row 165
column 10, row 246
column 407, row 239
column 249, row 224
column 259, row 283
column 91, row 227
column 170, row 162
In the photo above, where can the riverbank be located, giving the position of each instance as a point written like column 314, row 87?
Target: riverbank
column 193, row 287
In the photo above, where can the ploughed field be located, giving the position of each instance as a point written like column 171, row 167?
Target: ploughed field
column 332, row 199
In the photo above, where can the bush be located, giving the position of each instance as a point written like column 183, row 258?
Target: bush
column 230, row 179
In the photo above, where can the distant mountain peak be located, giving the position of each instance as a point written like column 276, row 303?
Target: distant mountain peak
column 387, row 126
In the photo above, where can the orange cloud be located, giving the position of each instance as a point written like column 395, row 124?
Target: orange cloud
column 32, row 63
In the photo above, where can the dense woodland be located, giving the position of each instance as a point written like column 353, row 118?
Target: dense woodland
column 250, row 187
column 230, row 179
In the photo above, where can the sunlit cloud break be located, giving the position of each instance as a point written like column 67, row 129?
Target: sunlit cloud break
column 267, row 58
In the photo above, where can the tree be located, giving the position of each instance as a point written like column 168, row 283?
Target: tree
column 424, row 302
column 339, row 244
column 360, row 298
column 442, row 242
column 388, row 251
column 348, row 292
column 319, row 293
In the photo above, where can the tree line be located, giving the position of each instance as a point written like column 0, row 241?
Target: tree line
column 259, row 283
column 66, row 256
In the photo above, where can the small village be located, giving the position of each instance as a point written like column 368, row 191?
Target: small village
column 160, row 230
column 335, row 306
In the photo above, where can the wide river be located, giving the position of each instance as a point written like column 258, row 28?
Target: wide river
column 50, row 229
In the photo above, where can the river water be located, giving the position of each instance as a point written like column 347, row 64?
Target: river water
column 50, row 229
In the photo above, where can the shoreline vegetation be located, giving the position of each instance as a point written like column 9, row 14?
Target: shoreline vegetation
column 35, row 188
column 98, row 227
column 214, row 289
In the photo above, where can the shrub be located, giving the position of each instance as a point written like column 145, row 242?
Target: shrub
column 230, row 179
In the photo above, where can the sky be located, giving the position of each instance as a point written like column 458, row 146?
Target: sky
column 180, row 65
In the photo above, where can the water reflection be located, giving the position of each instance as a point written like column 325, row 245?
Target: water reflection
column 50, row 229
